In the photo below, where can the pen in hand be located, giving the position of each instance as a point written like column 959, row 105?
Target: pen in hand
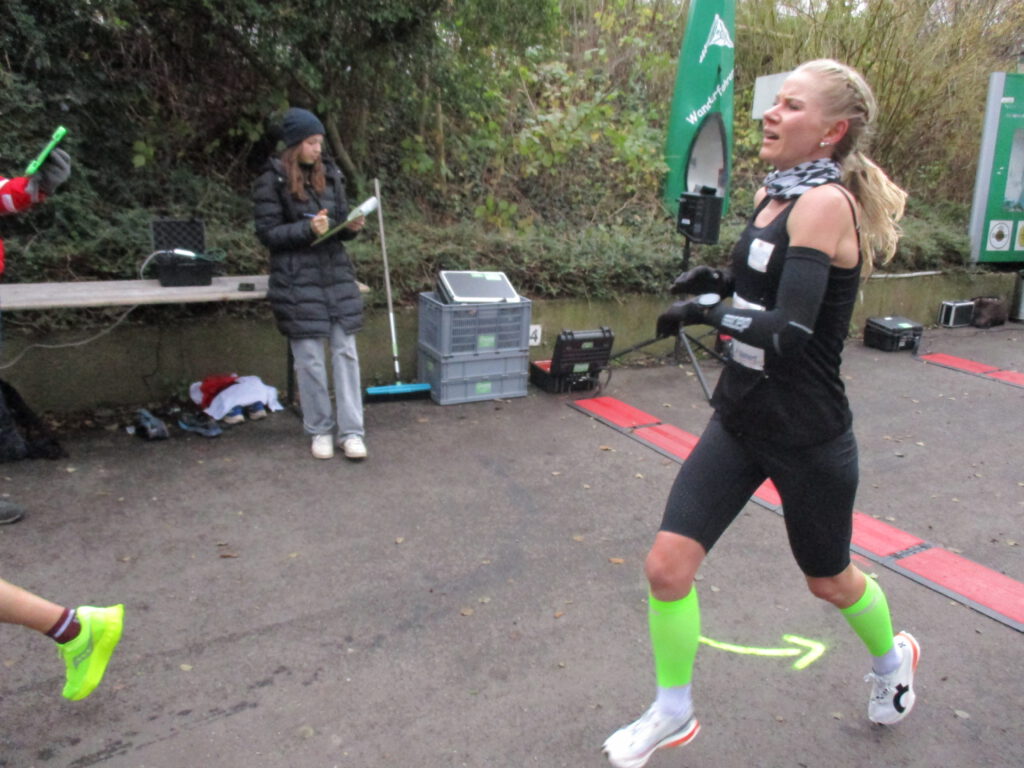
column 318, row 222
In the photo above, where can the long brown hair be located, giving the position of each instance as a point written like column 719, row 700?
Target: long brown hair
column 299, row 176
column 849, row 97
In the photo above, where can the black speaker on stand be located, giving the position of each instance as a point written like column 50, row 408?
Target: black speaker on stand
column 698, row 220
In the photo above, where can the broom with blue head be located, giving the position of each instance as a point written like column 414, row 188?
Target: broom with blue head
column 400, row 389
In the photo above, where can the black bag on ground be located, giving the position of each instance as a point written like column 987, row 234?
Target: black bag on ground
column 989, row 311
column 23, row 435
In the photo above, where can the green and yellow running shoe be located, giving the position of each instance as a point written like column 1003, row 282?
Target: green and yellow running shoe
column 87, row 656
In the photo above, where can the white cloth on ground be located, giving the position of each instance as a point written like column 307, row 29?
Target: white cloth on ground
column 246, row 390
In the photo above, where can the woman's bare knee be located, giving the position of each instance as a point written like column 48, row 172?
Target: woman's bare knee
column 672, row 564
column 842, row 590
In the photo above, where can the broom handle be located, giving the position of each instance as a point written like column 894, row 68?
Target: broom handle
column 387, row 280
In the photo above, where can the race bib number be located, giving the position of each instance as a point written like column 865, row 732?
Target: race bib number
column 759, row 254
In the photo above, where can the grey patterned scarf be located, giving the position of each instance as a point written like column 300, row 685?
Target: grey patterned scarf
column 793, row 182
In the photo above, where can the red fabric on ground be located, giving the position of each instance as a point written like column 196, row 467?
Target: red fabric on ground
column 212, row 386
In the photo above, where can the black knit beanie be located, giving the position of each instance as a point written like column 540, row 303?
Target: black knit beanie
column 299, row 124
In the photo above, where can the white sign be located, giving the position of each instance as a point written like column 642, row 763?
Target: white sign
column 766, row 88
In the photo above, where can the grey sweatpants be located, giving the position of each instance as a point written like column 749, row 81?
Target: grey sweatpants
column 314, row 395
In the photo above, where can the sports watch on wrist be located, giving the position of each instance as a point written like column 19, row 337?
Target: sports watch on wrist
column 708, row 300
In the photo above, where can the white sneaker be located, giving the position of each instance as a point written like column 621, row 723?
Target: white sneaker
column 323, row 447
column 892, row 695
column 633, row 745
column 256, row 411
column 234, row 416
column 354, row 447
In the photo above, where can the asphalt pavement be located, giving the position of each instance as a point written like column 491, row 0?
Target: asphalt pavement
column 473, row 595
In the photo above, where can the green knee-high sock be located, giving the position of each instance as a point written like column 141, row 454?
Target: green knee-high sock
column 870, row 619
column 675, row 633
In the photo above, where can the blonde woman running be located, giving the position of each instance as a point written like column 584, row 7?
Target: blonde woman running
column 780, row 409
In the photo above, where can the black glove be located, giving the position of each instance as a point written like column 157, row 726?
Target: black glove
column 703, row 279
column 55, row 171
column 689, row 312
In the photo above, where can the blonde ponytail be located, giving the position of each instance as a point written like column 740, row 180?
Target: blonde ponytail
column 849, row 97
column 882, row 203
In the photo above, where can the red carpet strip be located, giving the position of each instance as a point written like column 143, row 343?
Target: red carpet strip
column 983, row 370
column 983, row 589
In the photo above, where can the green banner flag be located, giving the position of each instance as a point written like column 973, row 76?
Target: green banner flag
column 698, row 151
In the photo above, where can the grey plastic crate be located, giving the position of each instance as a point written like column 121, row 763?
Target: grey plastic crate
column 466, row 379
column 469, row 329
column 479, row 388
column 433, row 367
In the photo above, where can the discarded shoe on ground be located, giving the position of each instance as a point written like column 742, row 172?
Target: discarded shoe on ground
column 235, row 416
column 149, row 426
column 200, row 424
column 256, row 411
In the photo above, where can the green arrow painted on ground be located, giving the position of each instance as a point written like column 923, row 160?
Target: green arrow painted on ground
column 809, row 652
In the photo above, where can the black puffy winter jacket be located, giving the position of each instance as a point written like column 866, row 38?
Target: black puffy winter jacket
column 310, row 285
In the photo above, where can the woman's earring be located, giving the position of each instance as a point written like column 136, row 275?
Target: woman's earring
column 824, row 143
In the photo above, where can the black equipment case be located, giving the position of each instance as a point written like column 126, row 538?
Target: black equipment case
column 892, row 333
column 190, row 266
column 175, row 270
column 577, row 361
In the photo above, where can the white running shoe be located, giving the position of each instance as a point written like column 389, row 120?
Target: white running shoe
column 323, row 446
column 892, row 695
column 256, row 411
column 234, row 416
column 633, row 745
column 354, row 447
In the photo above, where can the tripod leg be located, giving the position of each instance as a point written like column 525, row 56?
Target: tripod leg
column 635, row 347
column 684, row 339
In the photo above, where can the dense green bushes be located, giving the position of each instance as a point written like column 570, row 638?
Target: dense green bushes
column 521, row 136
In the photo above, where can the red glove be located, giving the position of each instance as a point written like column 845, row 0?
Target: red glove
column 16, row 196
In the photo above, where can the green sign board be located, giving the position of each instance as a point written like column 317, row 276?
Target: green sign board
column 997, row 216
column 698, row 148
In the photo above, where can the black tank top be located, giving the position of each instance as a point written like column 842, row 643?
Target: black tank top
column 798, row 399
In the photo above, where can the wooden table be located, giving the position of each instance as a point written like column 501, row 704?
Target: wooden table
column 127, row 293
column 130, row 293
